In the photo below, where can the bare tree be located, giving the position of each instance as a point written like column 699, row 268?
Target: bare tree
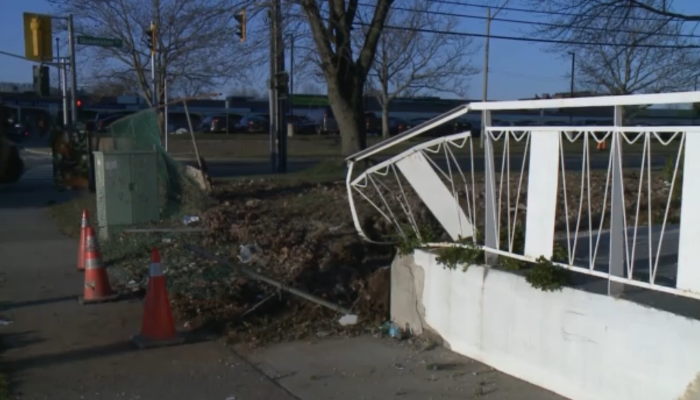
column 412, row 60
column 196, row 43
column 621, row 9
column 331, row 25
column 620, row 50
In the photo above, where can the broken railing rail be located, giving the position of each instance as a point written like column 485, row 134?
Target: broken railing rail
column 515, row 105
column 254, row 275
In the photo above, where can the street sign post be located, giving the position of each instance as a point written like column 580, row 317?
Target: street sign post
column 99, row 41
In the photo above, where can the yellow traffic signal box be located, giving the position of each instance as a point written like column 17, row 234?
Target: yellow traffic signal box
column 38, row 39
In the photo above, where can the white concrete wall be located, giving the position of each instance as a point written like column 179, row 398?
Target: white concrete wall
column 583, row 346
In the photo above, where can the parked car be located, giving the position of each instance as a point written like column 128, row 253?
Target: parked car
column 254, row 123
column 399, row 125
column 442, row 130
column 18, row 132
column 324, row 120
column 217, row 123
column 103, row 121
column 302, row 124
column 177, row 122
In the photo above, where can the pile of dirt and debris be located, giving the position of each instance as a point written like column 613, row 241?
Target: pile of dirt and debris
column 304, row 237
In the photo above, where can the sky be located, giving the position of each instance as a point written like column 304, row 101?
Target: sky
column 517, row 69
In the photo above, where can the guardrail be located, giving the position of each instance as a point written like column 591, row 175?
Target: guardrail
column 547, row 191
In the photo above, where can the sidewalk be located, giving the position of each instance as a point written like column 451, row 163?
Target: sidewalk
column 59, row 350
column 371, row 368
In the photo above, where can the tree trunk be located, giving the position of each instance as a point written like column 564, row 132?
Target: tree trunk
column 346, row 102
column 385, row 121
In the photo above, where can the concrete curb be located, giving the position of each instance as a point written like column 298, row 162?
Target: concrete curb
column 37, row 151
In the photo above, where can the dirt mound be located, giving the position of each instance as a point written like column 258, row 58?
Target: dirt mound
column 303, row 236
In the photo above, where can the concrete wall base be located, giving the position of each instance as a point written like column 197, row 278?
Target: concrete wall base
column 581, row 345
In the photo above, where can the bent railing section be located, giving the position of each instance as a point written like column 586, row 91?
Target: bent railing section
column 612, row 212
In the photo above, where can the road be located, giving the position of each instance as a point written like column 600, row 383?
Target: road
column 220, row 168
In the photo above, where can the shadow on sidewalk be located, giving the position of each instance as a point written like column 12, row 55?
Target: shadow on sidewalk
column 9, row 305
column 87, row 353
column 16, row 340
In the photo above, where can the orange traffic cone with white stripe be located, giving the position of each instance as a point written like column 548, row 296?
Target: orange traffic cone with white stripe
column 84, row 223
column 97, row 288
column 158, row 326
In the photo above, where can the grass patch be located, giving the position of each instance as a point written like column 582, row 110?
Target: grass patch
column 4, row 387
column 329, row 170
column 67, row 215
column 4, row 379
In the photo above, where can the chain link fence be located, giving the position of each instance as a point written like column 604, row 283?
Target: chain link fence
column 179, row 194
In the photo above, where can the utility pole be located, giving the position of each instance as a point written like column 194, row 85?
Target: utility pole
column 695, row 110
column 573, row 72
column 58, row 59
column 485, row 87
column 291, row 74
column 64, row 94
column 154, row 95
column 73, row 72
column 165, row 110
column 485, row 92
column 278, row 134
column 272, row 92
column 282, row 101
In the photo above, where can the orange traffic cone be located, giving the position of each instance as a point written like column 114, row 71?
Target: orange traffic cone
column 157, row 327
column 601, row 145
column 84, row 223
column 97, row 288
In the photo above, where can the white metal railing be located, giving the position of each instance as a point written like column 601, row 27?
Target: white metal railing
column 616, row 213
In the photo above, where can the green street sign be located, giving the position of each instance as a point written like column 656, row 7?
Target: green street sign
column 99, row 41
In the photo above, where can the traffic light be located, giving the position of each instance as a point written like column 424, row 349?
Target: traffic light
column 151, row 38
column 41, row 80
column 79, row 107
column 240, row 29
column 282, row 84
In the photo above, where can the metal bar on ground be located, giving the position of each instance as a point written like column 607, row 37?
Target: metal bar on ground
column 254, row 275
column 165, row 230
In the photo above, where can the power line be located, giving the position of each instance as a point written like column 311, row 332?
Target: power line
column 529, row 11
column 528, row 76
column 517, row 21
column 533, row 40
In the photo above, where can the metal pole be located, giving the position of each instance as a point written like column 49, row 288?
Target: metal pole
column 165, row 111
column 58, row 67
column 73, row 71
column 272, row 90
column 573, row 72
column 485, row 88
column 695, row 105
column 154, row 97
column 281, row 103
column 291, row 74
column 64, row 90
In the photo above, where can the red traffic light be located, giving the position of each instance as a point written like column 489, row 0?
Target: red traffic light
column 79, row 103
